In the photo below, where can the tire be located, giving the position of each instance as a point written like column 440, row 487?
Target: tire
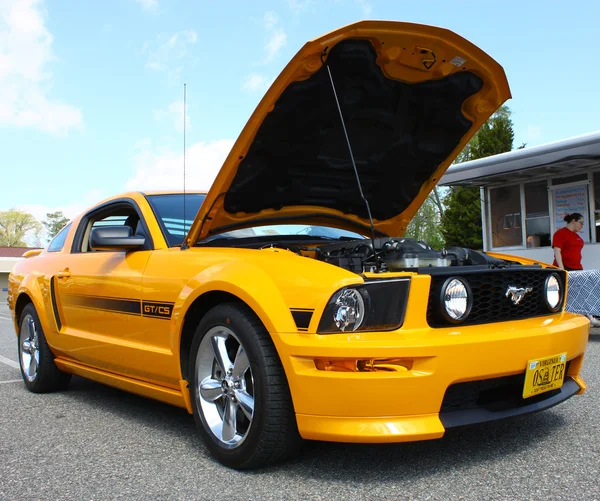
column 36, row 361
column 240, row 396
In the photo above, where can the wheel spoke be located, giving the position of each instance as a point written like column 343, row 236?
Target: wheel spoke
column 210, row 389
column 31, row 329
column 32, row 366
column 229, row 425
column 220, row 352
column 246, row 402
column 241, row 363
column 26, row 346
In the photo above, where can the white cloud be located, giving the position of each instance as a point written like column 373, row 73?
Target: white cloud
column 171, row 49
column 270, row 19
column 174, row 114
column 277, row 36
column 365, row 6
column 297, row 6
column 25, row 53
column 256, row 83
column 148, row 5
column 276, row 40
column 274, row 44
column 156, row 168
column 70, row 211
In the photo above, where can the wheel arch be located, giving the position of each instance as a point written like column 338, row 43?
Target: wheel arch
column 239, row 282
column 22, row 300
column 30, row 292
column 201, row 305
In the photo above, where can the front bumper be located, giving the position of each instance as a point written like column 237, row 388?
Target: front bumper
column 405, row 406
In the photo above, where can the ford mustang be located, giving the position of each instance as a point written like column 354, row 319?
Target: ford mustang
column 285, row 303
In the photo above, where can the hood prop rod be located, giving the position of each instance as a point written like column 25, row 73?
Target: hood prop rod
column 337, row 102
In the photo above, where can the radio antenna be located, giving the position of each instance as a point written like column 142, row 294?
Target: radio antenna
column 184, row 242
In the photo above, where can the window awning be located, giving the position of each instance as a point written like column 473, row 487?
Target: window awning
column 566, row 156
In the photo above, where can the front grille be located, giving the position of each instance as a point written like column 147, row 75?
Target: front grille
column 490, row 303
column 497, row 394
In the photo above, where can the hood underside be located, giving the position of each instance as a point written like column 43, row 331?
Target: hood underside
column 411, row 97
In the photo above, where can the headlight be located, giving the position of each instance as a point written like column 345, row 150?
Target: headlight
column 456, row 299
column 553, row 292
column 349, row 310
column 372, row 306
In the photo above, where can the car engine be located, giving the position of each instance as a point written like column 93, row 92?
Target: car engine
column 401, row 254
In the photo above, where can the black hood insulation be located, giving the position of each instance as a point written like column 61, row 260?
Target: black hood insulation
column 400, row 133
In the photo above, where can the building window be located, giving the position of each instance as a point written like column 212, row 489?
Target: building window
column 537, row 215
column 505, row 207
column 569, row 179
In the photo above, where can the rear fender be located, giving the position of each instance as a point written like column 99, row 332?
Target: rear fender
column 37, row 289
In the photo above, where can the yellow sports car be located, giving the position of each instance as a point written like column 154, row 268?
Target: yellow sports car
column 285, row 303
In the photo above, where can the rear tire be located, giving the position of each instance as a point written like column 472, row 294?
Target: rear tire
column 36, row 361
column 240, row 396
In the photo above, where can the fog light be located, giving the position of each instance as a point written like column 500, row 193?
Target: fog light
column 364, row 365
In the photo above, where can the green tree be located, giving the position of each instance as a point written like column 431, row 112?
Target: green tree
column 461, row 221
column 14, row 225
column 425, row 225
column 54, row 222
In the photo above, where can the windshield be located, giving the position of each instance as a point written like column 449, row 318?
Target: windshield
column 168, row 210
column 300, row 231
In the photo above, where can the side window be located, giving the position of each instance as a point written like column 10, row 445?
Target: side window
column 118, row 214
column 58, row 241
column 537, row 217
column 505, row 206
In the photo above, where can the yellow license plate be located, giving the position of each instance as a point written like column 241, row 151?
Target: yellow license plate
column 544, row 374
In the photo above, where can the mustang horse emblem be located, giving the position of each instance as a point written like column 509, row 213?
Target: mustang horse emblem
column 517, row 293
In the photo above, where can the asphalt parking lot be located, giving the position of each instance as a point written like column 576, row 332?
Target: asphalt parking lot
column 94, row 442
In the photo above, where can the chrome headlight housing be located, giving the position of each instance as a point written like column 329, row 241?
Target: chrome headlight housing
column 373, row 306
column 553, row 292
column 349, row 310
column 456, row 299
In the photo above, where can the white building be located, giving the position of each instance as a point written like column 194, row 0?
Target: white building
column 526, row 193
column 8, row 258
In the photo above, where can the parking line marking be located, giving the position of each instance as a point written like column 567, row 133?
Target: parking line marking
column 12, row 381
column 5, row 317
column 9, row 362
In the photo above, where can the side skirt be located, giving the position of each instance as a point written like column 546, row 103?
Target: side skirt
column 149, row 390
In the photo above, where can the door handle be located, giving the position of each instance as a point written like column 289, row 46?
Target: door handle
column 64, row 274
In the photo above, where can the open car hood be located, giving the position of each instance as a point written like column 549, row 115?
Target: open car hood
column 411, row 96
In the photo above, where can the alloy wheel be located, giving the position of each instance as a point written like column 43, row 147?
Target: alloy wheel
column 225, row 388
column 29, row 342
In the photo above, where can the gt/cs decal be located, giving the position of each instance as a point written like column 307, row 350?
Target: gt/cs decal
column 158, row 310
column 125, row 306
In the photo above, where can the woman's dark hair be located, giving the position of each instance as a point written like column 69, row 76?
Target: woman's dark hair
column 572, row 217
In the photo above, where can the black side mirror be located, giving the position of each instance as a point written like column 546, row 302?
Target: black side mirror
column 115, row 238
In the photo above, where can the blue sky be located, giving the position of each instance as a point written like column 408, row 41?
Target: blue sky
column 91, row 91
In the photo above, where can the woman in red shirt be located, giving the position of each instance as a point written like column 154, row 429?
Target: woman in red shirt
column 567, row 244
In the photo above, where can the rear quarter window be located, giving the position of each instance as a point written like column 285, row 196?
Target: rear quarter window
column 58, row 241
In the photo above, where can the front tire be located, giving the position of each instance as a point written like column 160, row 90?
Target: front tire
column 239, row 392
column 36, row 361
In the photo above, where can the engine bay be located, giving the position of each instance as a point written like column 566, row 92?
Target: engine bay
column 401, row 254
column 361, row 255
